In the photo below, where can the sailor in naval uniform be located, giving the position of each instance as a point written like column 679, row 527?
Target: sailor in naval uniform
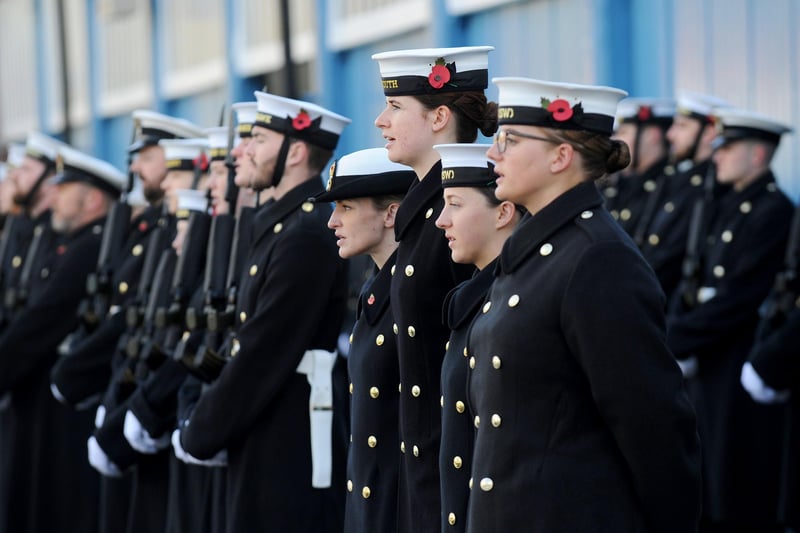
column 476, row 224
column 582, row 421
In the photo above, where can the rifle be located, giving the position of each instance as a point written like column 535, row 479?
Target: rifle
column 691, row 269
column 143, row 345
column 210, row 359
column 15, row 297
column 785, row 289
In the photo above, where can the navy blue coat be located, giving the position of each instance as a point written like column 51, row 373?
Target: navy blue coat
column 583, row 422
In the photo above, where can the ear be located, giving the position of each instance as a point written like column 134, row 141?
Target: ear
column 709, row 133
column 441, row 117
column 390, row 215
column 506, row 212
column 561, row 157
column 298, row 154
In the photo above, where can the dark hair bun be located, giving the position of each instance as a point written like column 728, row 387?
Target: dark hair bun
column 618, row 157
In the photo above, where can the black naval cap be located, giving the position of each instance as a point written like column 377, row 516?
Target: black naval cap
column 366, row 174
column 466, row 165
column 657, row 111
column 735, row 124
column 74, row 166
column 151, row 127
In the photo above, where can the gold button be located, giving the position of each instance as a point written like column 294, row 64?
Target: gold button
column 745, row 207
column 242, row 316
column 379, row 340
column 365, row 492
column 446, row 346
column 399, row 387
column 458, row 462
column 410, row 270
column 351, row 388
column 477, row 421
column 771, row 187
column 653, row 239
column 615, row 214
column 460, row 406
column 470, row 483
column 719, row 271
column 307, row 207
column 235, row 348
column 415, row 450
column 466, row 353
column 669, row 170
column 727, row 236
column 513, row 301
column 137, row 250
column 278, row 227
column 393, row 267
column 402, row 447
column 496, row 420
column 696, row 180
column 451, row 519
column 649, row 185
column 351, row 338
column 253, row 270
column 395, row 329
column 372, row 441
column 487, row 306
column 351, row 437
column 496, row 362
column 374, row 392
column 45, row 272
column 16, row 261
column 669, row 207
column 441, row 401
column 123, row 287
column 37, row 230
column 587, row 215
column 472, row 362
column 429, row 212
column 546, row 249
column 350, row 485
column 625, row 214
column 487, row 484
column 415, row 391
column 411, row 331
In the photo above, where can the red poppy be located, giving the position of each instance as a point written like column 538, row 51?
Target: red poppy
column 143, row 226
column 645, row 113
column 560, row 109
column 61, row 249
column 301, row 121
column 439, row 76
column 371, row 299
column 201, row 162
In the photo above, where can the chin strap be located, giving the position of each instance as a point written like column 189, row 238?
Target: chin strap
column 280, row 163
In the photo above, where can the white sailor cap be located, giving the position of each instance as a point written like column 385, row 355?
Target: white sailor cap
column 185, row 154
column 657, row 111
column 218, row 142
column 364, row 174
column 434, row 70
column 75, row 166
column 466, row 165
column 43, row 147
column 557, row 105
column 301, row 120
column 734, row 124
column 151, row 127
column 15, row 154
column 698, row 105
column 245, row 117
column 191, row 200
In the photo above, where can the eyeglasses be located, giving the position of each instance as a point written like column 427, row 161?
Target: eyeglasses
column 501, row 138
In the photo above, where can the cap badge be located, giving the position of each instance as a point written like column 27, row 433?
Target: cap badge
column 645, row 113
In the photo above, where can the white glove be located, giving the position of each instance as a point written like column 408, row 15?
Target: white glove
column 5, row 400
column 138, row 437
column 100, row 416
column 760, row 391
column 220, row 459
column 689, row 366
column 100, row 461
